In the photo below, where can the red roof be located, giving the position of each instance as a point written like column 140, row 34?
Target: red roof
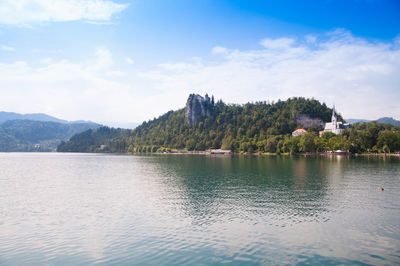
column 300, row 130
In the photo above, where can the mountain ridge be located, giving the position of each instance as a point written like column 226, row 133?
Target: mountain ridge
column 30, row 135
column 6, row 116
column 386, row 120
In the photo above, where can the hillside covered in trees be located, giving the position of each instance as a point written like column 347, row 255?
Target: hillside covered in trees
column 253, row 127
column 103, row 139
column 29, row 135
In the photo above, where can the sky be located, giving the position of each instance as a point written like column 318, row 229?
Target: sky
column 130, row 61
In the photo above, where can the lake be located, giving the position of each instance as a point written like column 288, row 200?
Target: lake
column 78, row 209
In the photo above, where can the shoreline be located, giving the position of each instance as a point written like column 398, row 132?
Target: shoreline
column 270, row 154
column 307, row 154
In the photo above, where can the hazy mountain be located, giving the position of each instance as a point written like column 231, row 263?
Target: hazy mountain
column 389, row 120
column 29, row 135
column 5, row 116
column 386, row 120
column 356, row 120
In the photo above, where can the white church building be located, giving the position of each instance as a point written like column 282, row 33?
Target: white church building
column 334, row 126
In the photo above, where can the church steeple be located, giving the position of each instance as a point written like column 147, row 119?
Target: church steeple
column 334, row 119
column 334, row 126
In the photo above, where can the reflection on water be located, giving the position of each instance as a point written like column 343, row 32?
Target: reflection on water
column 283, row 190
column 174, row 209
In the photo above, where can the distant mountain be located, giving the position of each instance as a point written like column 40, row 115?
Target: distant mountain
column 355, row 120
column 5, row 116
column 388, row 120
column 385, row 120
column 29, row 135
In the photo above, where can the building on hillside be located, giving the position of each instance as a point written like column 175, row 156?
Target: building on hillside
column 299, row 132
column 334, row 126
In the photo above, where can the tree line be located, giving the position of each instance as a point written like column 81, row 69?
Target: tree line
column 253, row 127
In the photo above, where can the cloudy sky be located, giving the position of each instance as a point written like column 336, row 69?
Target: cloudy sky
column 130, row 61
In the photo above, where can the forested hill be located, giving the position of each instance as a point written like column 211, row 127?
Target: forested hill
column 204, row 124
column 28, row 135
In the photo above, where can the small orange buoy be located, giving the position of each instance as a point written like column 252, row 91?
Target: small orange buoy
column 381, row 189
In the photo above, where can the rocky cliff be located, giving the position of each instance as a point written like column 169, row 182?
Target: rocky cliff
column 306, row 121
column 198, row 107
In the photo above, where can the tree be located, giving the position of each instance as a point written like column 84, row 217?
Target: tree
column 227, row 143
column 388, row 141
column 260, row 126
column 190, row 144
column 271, row 144
column 306, row 143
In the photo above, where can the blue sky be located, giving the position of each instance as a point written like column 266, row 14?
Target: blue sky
column 129, row 61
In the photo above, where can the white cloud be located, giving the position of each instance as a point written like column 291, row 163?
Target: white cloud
column 219, row 50
column 93, row 89
column 281, row 43
column 26, row 12
column 179, row 67
column 311, row 38
column 103, row 58
column 362, row 78
column 129, row 61
column 88, row 90
column 7, row 48
column 397, row 41
column 116, row 73
column 46, row 60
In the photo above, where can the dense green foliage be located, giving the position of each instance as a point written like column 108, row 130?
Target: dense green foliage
column 374, row 137
column 259, row 127
column 27, row 135
column 103, row 139
column 232, row 125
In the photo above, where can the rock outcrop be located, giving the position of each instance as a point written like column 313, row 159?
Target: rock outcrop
column 306, row 121
column 198, row 107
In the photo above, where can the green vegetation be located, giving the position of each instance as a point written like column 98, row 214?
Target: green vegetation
column 28, row 135
column 103, row 139
column 254, row 127
column 374, row 137
column 241, row 128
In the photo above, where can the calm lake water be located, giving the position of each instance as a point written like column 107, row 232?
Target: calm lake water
column 78, row 209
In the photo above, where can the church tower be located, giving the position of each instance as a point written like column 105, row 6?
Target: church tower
column 334, row 126
column 334, row 120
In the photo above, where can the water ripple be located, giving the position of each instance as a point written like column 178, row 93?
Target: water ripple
column 80, row 209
